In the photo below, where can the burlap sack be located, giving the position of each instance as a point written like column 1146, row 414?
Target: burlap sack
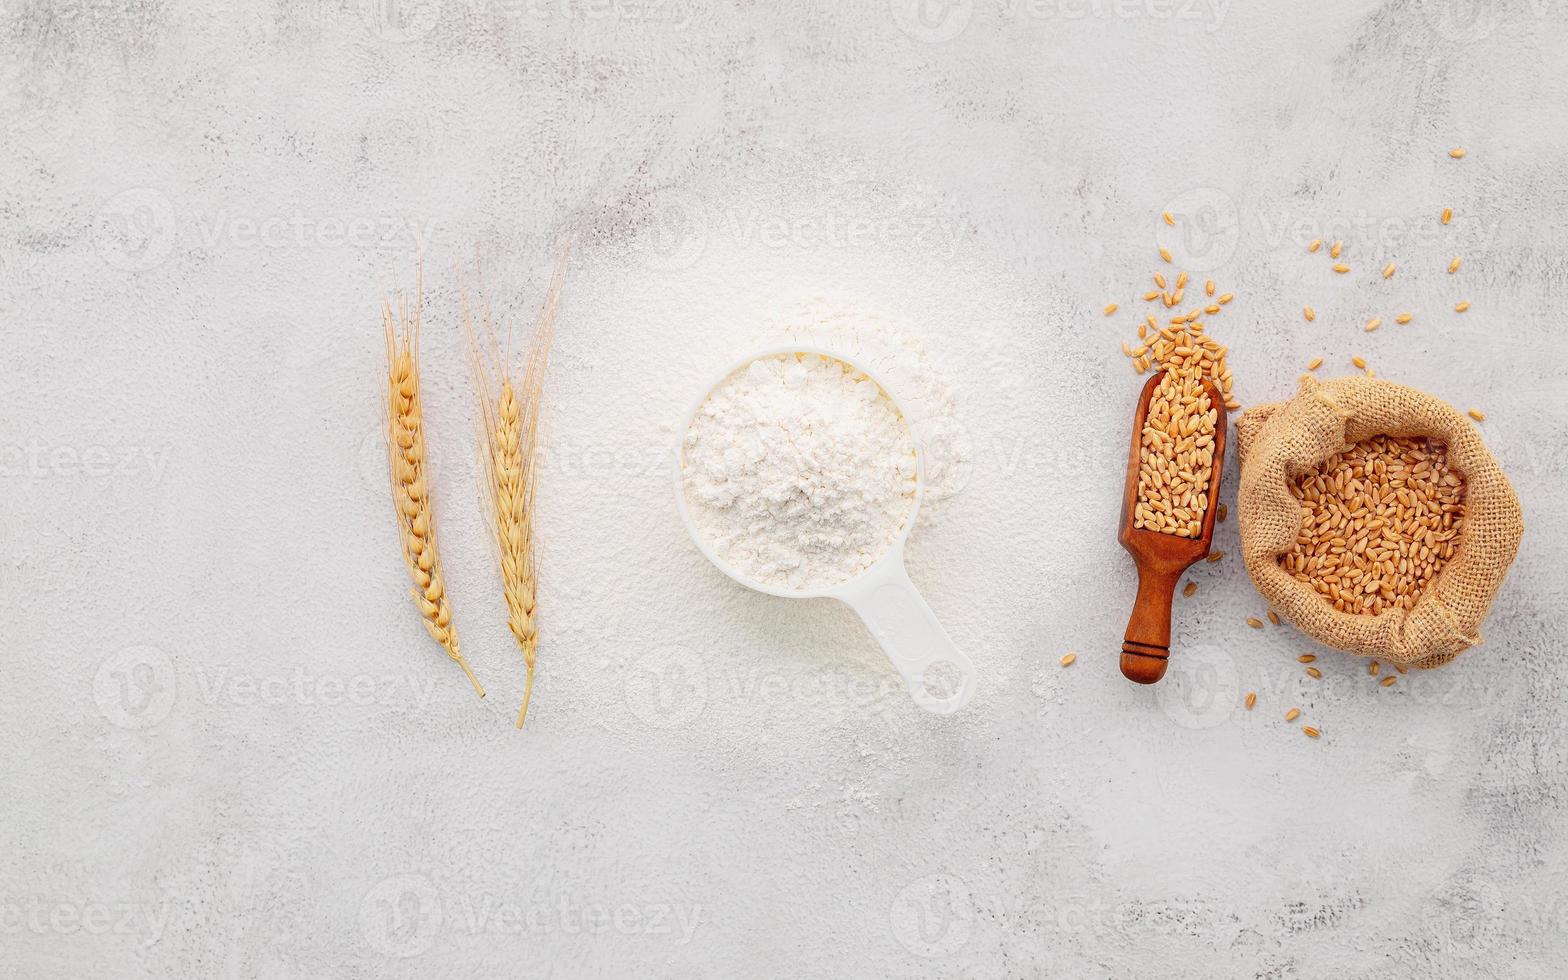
column 1276, row 443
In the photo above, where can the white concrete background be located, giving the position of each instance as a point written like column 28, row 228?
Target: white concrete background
column 232, row 752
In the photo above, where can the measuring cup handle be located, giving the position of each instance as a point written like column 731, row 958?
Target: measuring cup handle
column 909, row 633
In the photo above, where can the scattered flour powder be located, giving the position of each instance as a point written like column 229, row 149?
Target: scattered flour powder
column 799, row 471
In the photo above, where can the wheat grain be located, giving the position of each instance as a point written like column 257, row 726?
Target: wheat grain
column 1448, row 215
column 1315, row 244
column 1373, row 324
column 1462, row 306
column 411, row 495
column 1334, row 249
column 1388, row 270
column 1314, row 364
column 1341, row 267
column 1307, row 658
column 1310, row 732
column 1191, row 588
column 1477, row 414
column 1293, row 714
column 1168, row 219
column 1378, row 522
column 1165, row 253
column 1176, row 457
column 1457, row 153
column 1069, row 659
column 1453, row 266
column 509, row 423
column 1110, row 308
column 1314, row 673
column 1254, row 622
column 1309, row 313
column 1388, row 681
column 1402, row 318
column 1252, row 700
column 1372, row 668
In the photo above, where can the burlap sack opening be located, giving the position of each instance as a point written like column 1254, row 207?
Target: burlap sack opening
column 1277, row 443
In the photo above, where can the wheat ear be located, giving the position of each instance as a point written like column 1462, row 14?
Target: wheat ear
column 410, row 491
column 509, row 424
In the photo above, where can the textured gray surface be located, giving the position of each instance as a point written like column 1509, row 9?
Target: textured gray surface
column 231, row 750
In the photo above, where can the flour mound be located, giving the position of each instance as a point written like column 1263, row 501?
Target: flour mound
column 798, row 470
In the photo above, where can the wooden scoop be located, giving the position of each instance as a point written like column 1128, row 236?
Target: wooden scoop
column 1161, row 558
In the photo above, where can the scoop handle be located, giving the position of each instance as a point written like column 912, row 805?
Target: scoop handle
column 1146, row 647
column 898, row 616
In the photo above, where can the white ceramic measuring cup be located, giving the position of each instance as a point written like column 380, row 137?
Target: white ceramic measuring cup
column 882, row 595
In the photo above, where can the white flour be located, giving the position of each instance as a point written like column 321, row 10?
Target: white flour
column 798, row 470
column 922, row 387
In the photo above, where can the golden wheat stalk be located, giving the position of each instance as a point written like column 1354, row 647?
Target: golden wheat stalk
column 410, row 491
column 509, row 438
